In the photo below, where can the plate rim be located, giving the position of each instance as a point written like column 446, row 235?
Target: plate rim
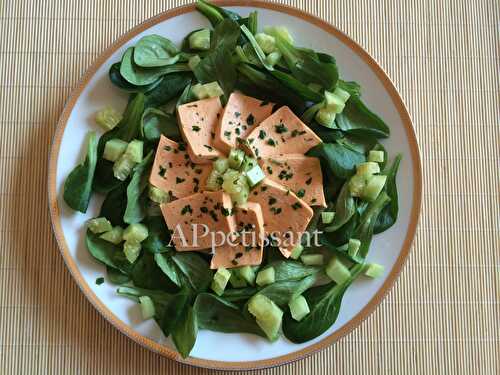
column 236, row 365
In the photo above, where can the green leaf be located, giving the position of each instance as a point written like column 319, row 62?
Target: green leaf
column 158, row 235
column 107, row 253
column 324, row 303
column 136, row 199
column 195, row 268
column 258, row 51
column 282, row 292
column 289, row 270
column 120, row 82
column 174, row 312
column 357, row 119
column 239, row 294
column 351, row 87
column 214, row 13
column 154, row 50
column 78, row 184
column 113, row 206
column 115, row 276
column 185, row 97
column 155, row 122
column 161, row 300
column 167, row 265
column 170, row 86
column 225, row 35
column 340, row 160
column 216, row 314
column 185, row 331
column 345, row 208
column 389, row 213
column 146, row 274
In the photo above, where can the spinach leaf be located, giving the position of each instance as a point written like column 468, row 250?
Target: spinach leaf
column 340, row 160
column 389, row 213
column 225, row 34
column 345, row 208
column 174, row 311
column 185, row 331
column 107, row 253
column 154, row 50
column 115, row 276
column 256, row 48
column 239, row 294
column 357, row 119
column 136, row 199
column 167, row 265
column 185, row 97
column 155, row 122
column 216, row 314
column 324, row 302
column 78, row 184
column 341, row 235
column 113, row 206
column 288, row 270
column 158, row 235
column 340, row 250
column 146, row 274
column 195, row 268
column 116, row 78
column 170, row 86
column 161, row 300
column 351, row 87
column 327, row 135
column 214, row 13
column 252, row 22
column 281, row 292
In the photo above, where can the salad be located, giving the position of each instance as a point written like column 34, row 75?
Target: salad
column 243, row 183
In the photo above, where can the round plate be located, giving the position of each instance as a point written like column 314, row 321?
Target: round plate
column 240, row 351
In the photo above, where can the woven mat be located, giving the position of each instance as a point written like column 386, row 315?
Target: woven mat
column 443, row 314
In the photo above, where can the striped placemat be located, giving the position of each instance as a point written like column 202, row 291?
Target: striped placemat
column 443, row 314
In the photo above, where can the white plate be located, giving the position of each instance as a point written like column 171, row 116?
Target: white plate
column 213, row 349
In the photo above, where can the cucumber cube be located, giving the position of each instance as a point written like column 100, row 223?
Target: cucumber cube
column 200, row 39
column 193, row 61
column 248, row 164
column 337, row 271
column 327, row 217
column 266, row 276
column 376, row 156
column 267, row 315
column 134, row 151
column 326, row 117
column 298, row 308
column 236, row 157
column 367, row 169
column 273, row 58
column 266, row 42
column 123, row 167
column 220, row 280
column 279, row 31
column 255, row 175
column 115, row 235
column 132, row 250
column 157, row 195
column 213, row 89
column 147, row 307
column 108, row 118
column 199, row 91
column 221, row 165
column 373, row 187
column 374, row 270
column 99, row 225
column 312, row 259
column 333, row 102
column 342, row 94
column 214, row 181
column 356, row 185
column 353, row 247
column 135, row 233
column 296, row 251
column 113, row 149
column 236, row 281
column 235, row 184
column 247, row 273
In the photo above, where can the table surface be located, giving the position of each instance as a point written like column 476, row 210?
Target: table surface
column 442, row 316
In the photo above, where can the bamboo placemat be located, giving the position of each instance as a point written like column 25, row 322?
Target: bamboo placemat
column 443, row 314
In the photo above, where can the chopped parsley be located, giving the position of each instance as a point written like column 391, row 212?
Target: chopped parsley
column 296, row 132
column 301, row 193
column 296, row 206
column 99, row 280
column 204, row 209
column 237, row 114
column 198, row 171
column 209, row 148
column 262, row 134
column 179, row 180
column 250, row 119
column 281, row 128
column 264, row 103
column 195, row 128
column 276, row 210
column 308, row 181
column 214, row 215
column 227, row 134
column 284, row 175
column 271, row 142
column 269, row 170
column 237, row 131
column 162, row 171
column 272, row 201
column 167, row 148
column 182, row 147
column 238, row 255
column 186, row 209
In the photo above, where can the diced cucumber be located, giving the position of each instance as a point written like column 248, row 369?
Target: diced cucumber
column 214, row 181
column 220, row 280
column 99, row 225
column 113, row 149
column 135, row 233
column 200, row 39
column 326, row 117
column 247, row 273
column 193, row 61
column 108, row 118
column 280, row 31
column 337, row 271
column 235, row 184
column 342, row 94
column 236, row 281
column 221, row 165
column 213, row 89
column 157, row 195
column 376, row 156
column 315, row 86
column 373, row 187
column 134, row 151
column 327, row 217
column 356, row 185
column 333, row 102
column 266, row 42
column 367, row 169
column 248, row 164
column 242, row 196
column 115, row 235
column 266, row 276
column 236, row 157
column 374, row 270
column 147, row 307
column 132, row 250
column 273, row 58
column 123, row 167
column 296, row 251
column 199, row 91
column 267, row 315
column 298, row 308
column 312, row 259
column 353, row 246
column 255, row 175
